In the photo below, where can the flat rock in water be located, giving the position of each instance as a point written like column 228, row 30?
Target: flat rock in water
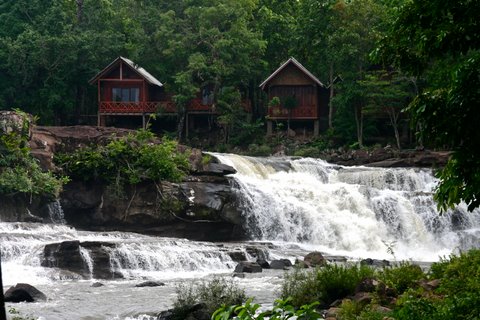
column 280, row 264
column 23, row 292
column 249, row 267
column 150, row 284
column 97, row 284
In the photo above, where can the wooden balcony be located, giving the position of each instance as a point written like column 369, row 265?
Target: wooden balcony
column 300, row 113
column 167, row 106
column 112, row 107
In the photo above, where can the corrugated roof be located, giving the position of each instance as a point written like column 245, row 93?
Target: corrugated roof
column 298, row 65
column 142, row 72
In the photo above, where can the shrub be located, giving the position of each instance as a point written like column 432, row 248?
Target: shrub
column 259, row 150
column 127, row 161
column 325, row 284
column 213, row 293
column 401, row 277
column 282, row 310
column 20, row 172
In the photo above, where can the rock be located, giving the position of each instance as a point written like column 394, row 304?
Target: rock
column 263, row 263
column 248, row 267
column 314, row 259
column 150, row 284
column 67, row 255
column 367, row 285
column 333, row 313
column 23, row 292
column 97, row 284
column 375, row 263
column 237, row 256
column 429, row 285
column 280, row 264
column 381, row 309
column 216, row 169
column 238, row 275
column 362, row 298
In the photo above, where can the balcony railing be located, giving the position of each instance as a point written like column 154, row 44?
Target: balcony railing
column 167, row 106
column 300, row 112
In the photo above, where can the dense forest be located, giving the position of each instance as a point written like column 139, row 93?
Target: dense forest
column 393, row 60
column 50, row 49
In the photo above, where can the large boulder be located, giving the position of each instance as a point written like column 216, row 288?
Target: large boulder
column 248, row 267
column 280, row 264
column 68, row 255
column 314, row 259
column 23, row 292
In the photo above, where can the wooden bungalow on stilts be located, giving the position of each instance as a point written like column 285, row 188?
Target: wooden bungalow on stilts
column 293, row 81
column 126, row 89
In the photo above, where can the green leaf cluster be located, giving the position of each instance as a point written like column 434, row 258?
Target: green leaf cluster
column 439, row 41
column 20, row 172
column 282, row 310
column 325, row 284
column 127, row 160
column 213, row 293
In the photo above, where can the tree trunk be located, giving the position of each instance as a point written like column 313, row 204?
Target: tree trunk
column 330, row 102
column 359, row 123
column 181, row 123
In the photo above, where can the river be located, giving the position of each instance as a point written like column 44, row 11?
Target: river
column 292, row 206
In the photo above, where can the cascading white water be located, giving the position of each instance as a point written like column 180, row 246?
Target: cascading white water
column 55, row 211
column 355, row 211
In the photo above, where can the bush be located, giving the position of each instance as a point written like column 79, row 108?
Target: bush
column 259, row 150
column 213, row 293
column 325, row 284
column 127, row 161
column 282, row 310
column 402, row 277
column 20, row 172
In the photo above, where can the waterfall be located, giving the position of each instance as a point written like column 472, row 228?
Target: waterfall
column 55, row 212
column 354, row 211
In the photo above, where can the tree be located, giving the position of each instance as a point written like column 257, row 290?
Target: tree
column 387, row 93
column 425, row 37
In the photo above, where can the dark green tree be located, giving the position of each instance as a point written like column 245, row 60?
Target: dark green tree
column 444, row 36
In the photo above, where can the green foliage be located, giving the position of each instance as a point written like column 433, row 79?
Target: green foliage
column 214, row 293
column 441, row 37
column 325, row 284
column 256, row 150
column 401, row 277
column 20, row 172
column 126, row 161
column 351, row 310
column 457, row 297
column 282, row 310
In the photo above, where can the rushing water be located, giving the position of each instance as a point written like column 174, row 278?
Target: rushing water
column 291, row 206
column 353, row 211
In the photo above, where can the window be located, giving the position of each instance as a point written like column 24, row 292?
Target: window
column 126, row 94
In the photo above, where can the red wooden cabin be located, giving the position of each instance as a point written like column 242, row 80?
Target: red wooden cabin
column 292, row 79
column 125, row 88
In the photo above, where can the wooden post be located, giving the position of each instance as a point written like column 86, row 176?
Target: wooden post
column 316, row 128
column 187, row 125
column 269, row 127
column 143, row 121
column 99, row 119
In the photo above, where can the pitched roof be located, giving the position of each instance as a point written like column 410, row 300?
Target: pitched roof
column 135, row 67
column 298, row 65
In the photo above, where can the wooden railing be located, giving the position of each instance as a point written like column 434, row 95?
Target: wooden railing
column 136, row 107
column 300, row 112
column 167, row 106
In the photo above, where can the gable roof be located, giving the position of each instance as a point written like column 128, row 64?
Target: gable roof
column 135, row 67
column 298, row 65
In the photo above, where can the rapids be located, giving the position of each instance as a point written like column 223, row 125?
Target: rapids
column 291, row 207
